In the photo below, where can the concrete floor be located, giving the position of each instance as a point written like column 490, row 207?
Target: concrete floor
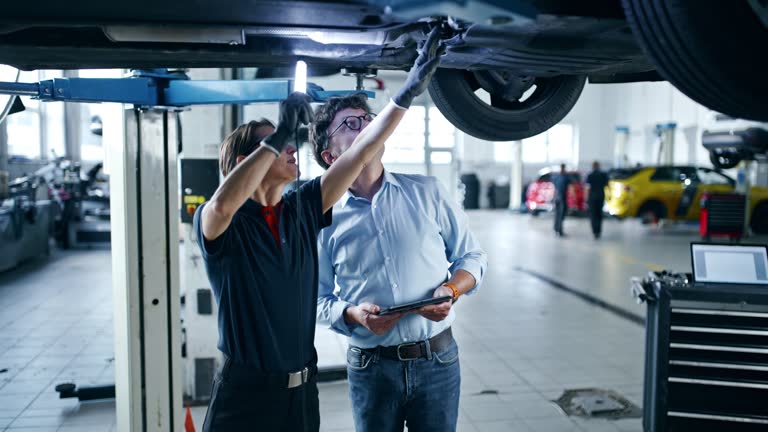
column 522, row 340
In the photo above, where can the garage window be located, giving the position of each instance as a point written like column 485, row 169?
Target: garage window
column 23, row 129
column 38, row 131
column 441, row 138
column 90, row 114
column 441, row 131
column 558, row 144
column 561, row 143
column 410, row 141
column 535, row 149
column 406, row 145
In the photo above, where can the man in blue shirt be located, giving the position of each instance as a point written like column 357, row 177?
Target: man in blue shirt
column 260, row 252
column 395, row 238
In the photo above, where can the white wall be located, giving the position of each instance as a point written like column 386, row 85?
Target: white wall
column 587, row 119
column 202, row 126
column 641, row 106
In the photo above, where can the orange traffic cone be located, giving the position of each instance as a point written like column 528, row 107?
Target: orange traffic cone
column 189, row 425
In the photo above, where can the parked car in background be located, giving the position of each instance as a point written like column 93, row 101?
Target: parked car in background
column 674, row 193
column 540, row 195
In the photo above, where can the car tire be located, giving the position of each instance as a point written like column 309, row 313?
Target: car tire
column 725, row 160
column 453, row 92
column 759, row 220
column 651, row 212
column 684, row 39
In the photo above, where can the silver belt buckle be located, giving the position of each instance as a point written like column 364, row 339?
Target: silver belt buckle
column 296, row 379
column 405, row 345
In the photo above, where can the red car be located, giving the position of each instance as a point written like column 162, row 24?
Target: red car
column 540, row 194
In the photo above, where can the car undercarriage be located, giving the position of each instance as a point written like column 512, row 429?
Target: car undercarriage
column 532, row 58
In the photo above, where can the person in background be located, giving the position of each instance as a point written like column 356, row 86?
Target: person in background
column 597, row 181
column 561, row 182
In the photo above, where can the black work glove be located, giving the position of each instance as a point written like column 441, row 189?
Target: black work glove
column 422, row 70
column 294, row 111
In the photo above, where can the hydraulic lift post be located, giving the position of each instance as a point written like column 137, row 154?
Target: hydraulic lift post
column 145, row 215
column 744, row 185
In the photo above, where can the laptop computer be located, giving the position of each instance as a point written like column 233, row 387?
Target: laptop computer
column 718, row 264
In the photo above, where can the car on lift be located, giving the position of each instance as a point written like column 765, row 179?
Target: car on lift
column 512, row 69
column 674, row 193
column 540, row 194
column 728, row 148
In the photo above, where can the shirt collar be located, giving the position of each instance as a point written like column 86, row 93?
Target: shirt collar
column 252, row 204
column 389, row 178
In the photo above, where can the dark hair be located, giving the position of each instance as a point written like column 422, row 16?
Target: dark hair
column 324, row 114
column 241, row 142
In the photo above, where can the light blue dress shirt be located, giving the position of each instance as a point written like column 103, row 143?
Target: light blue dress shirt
column 397, row 248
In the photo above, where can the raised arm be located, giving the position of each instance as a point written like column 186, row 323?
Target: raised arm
column 250, row 171
column 340, row 176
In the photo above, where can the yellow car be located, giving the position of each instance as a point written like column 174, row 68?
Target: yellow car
column 674, row 192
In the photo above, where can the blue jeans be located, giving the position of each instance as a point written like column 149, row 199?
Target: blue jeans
column 386, row 393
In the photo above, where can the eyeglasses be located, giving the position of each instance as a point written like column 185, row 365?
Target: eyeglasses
column 354, row 122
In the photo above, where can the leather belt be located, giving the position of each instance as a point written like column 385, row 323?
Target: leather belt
column 298, row 378
column 416, row 350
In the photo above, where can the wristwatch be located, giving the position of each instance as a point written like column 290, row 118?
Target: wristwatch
column 454, row 289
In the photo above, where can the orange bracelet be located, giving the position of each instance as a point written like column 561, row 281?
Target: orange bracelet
column 454, row 289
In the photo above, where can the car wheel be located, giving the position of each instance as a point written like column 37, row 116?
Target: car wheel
column 520, row 107
column 706, row 48
column 759, row 220
column 652, row 212
column 725, row 160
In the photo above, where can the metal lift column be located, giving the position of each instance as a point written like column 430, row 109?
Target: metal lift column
column 621, row 140
column 145, row 273
column 666, row 134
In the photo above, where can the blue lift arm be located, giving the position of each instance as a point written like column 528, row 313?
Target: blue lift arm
column 164, row 89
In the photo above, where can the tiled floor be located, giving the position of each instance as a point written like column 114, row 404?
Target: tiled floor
column 55, row 327
column 522, row 342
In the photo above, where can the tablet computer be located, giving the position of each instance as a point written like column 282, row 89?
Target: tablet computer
column 405, row 307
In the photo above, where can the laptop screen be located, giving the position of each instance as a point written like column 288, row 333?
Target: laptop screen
column 745, row 264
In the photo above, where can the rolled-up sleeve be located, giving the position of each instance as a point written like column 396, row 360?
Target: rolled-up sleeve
column 330, row 309
column 462, row 249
